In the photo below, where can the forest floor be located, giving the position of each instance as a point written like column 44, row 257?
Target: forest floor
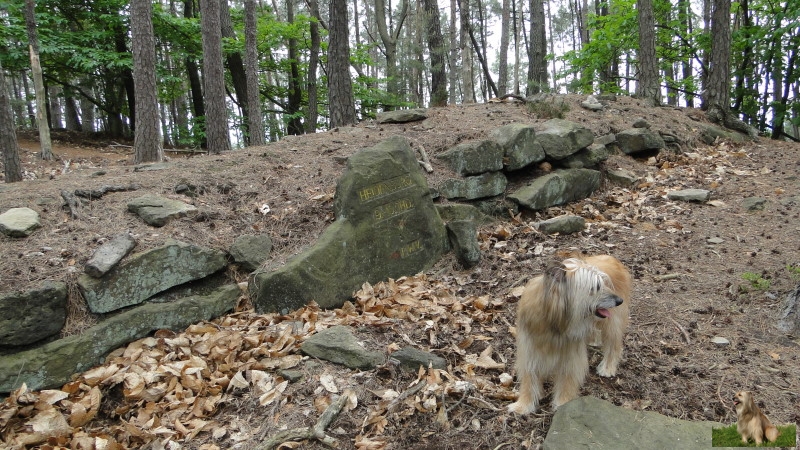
column 700, row 271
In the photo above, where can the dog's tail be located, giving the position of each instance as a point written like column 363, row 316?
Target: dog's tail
column 771, row 433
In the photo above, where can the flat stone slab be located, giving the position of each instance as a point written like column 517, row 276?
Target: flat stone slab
column 591, row 423
column 402, row 116
column 411, row 359
column 386, row 227
column 690, row 195
column 485, row 185
column 637, row 140
column 339, row 345
column 561, row 138
column 52, row 364
column 109, row 254
column 623, row 177
column 562, row 225
column 474, row 157
column 19, row 222
column 557, row 188
column 519, row 145
column 157, row 211
column 30, row 316
column 148, row 273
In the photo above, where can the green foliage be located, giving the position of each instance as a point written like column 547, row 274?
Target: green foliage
column 729, row 437
column 548, row 110
column 794, row 271
column 756, row 281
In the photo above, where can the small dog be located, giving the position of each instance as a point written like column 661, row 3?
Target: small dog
column 752, row 422
column 559, row 313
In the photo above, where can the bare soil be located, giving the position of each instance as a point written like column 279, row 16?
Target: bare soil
column 687, row 289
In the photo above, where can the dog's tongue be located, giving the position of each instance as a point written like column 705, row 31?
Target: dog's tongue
column 602, row 312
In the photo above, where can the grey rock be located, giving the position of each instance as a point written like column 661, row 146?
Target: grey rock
column 561, row 138
column 709, row 134
column 148, row 273
column 587, row 157
column 754, row 203
column 485, row 185
column 250, row 251
column 463, row 236
column 641, row 123
column 411, row 359
column 151, row 167
column 519, row 145
column 590, row 423
column 690, row 195
column 622, row 177
column 30, row 316
column 292, row 375
column 720, row 341
column 789, row 321
column 499, row 206
column 386, row 227
column 474, row 157
column 715, row 240
column 402, row 116
column 463, row 211
column 338, row 345
column 592, row 104
column 52, row 364
column 19, row 222
column 157, row 211
column 562, row 225
column 109, row 254
column 606, row 139
column 637, row 140
column 557, row 188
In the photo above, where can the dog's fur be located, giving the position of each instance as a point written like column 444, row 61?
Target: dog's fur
column 752, row 422
column 559, row 313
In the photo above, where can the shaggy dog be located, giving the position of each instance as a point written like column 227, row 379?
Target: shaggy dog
column 752, row 422
column 559, row 313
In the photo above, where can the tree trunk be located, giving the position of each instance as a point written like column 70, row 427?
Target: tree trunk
column 453, row 56
column 684, row 19
column 73, row 119
column 340, row 87
column 781, row 103
column 295, row 97
column 255, row 123
column 718, row 87
column 648, row 86
column 12, row 168
column 502, row 59
column 313, row 64
column 537, row 68
column 147, row 136
column 216, row 120
column 465, row 48
column 38, row 82
column 389, row 39
column 437, row 51
column 235, row 63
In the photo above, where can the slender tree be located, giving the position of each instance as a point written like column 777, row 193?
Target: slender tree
column 465, row 48
column 437, row 50
column 38, row 82
column 295, row 97
column 255, row 124
column 12, row 168
column 537, row 67
column 340, row 85
column 648, row 86
column 313, row 64
column 502, row 57
column 216, row 120
column 147, row 136
column 389, row 38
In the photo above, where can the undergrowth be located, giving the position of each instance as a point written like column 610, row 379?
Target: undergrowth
column 729, row 437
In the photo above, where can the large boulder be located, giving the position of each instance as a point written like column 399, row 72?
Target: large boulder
column 557, row 188
column 591, row 423
column 19, row 222
column 148, row 273
column 52, row 364
column 519, row 145
column 30, row 316
column 386, row 227
column 250, row 251
column 474, row 157
column 561, row 138
column 402, row 115
column 638, row 140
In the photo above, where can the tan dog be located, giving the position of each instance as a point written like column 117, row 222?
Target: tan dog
column 559, row 313
column 752, row 422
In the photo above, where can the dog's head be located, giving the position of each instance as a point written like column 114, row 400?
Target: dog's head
column 743, row 400
column 587, row 285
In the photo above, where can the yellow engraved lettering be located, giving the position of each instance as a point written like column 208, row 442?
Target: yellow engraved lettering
column 384, row 188
column 392, row 209
column 411, row 248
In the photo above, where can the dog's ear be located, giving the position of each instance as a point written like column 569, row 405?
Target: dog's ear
column 556, row 272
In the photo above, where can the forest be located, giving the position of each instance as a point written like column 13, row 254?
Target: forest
column 217, row 74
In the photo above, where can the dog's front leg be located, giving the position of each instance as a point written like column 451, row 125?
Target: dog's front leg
column 612, row 335
column 570, row 375
column 530, row 390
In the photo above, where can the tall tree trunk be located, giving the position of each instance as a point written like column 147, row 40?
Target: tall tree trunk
column 73, row 119
column 126, row 75
column 313, row 64
column 147, row 136
column 12, row 168
column 195, row 85
column 437, row 51
column 454, row 51
column 295, row 97
column 717, row 98
column 389, row 39
column 465, row 49
column 216, row 121
column 255, row 122
column 340, row 87
column 29, row 105
column 781, row 103
column 502, row 60
column 742, row 72
column 235, row 64
column 648, row 86
column 38, row 82
column 537, row 68
column 684, row 19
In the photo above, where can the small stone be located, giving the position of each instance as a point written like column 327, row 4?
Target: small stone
column 754, row 203
column 19, row 222
column 715, row 240
column 690, row 195
column 641, row 123
column 720, row 341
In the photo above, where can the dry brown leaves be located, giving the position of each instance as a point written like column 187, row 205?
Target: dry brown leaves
column 164, row 390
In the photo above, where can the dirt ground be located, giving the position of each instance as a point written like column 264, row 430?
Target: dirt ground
column 700, row 271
